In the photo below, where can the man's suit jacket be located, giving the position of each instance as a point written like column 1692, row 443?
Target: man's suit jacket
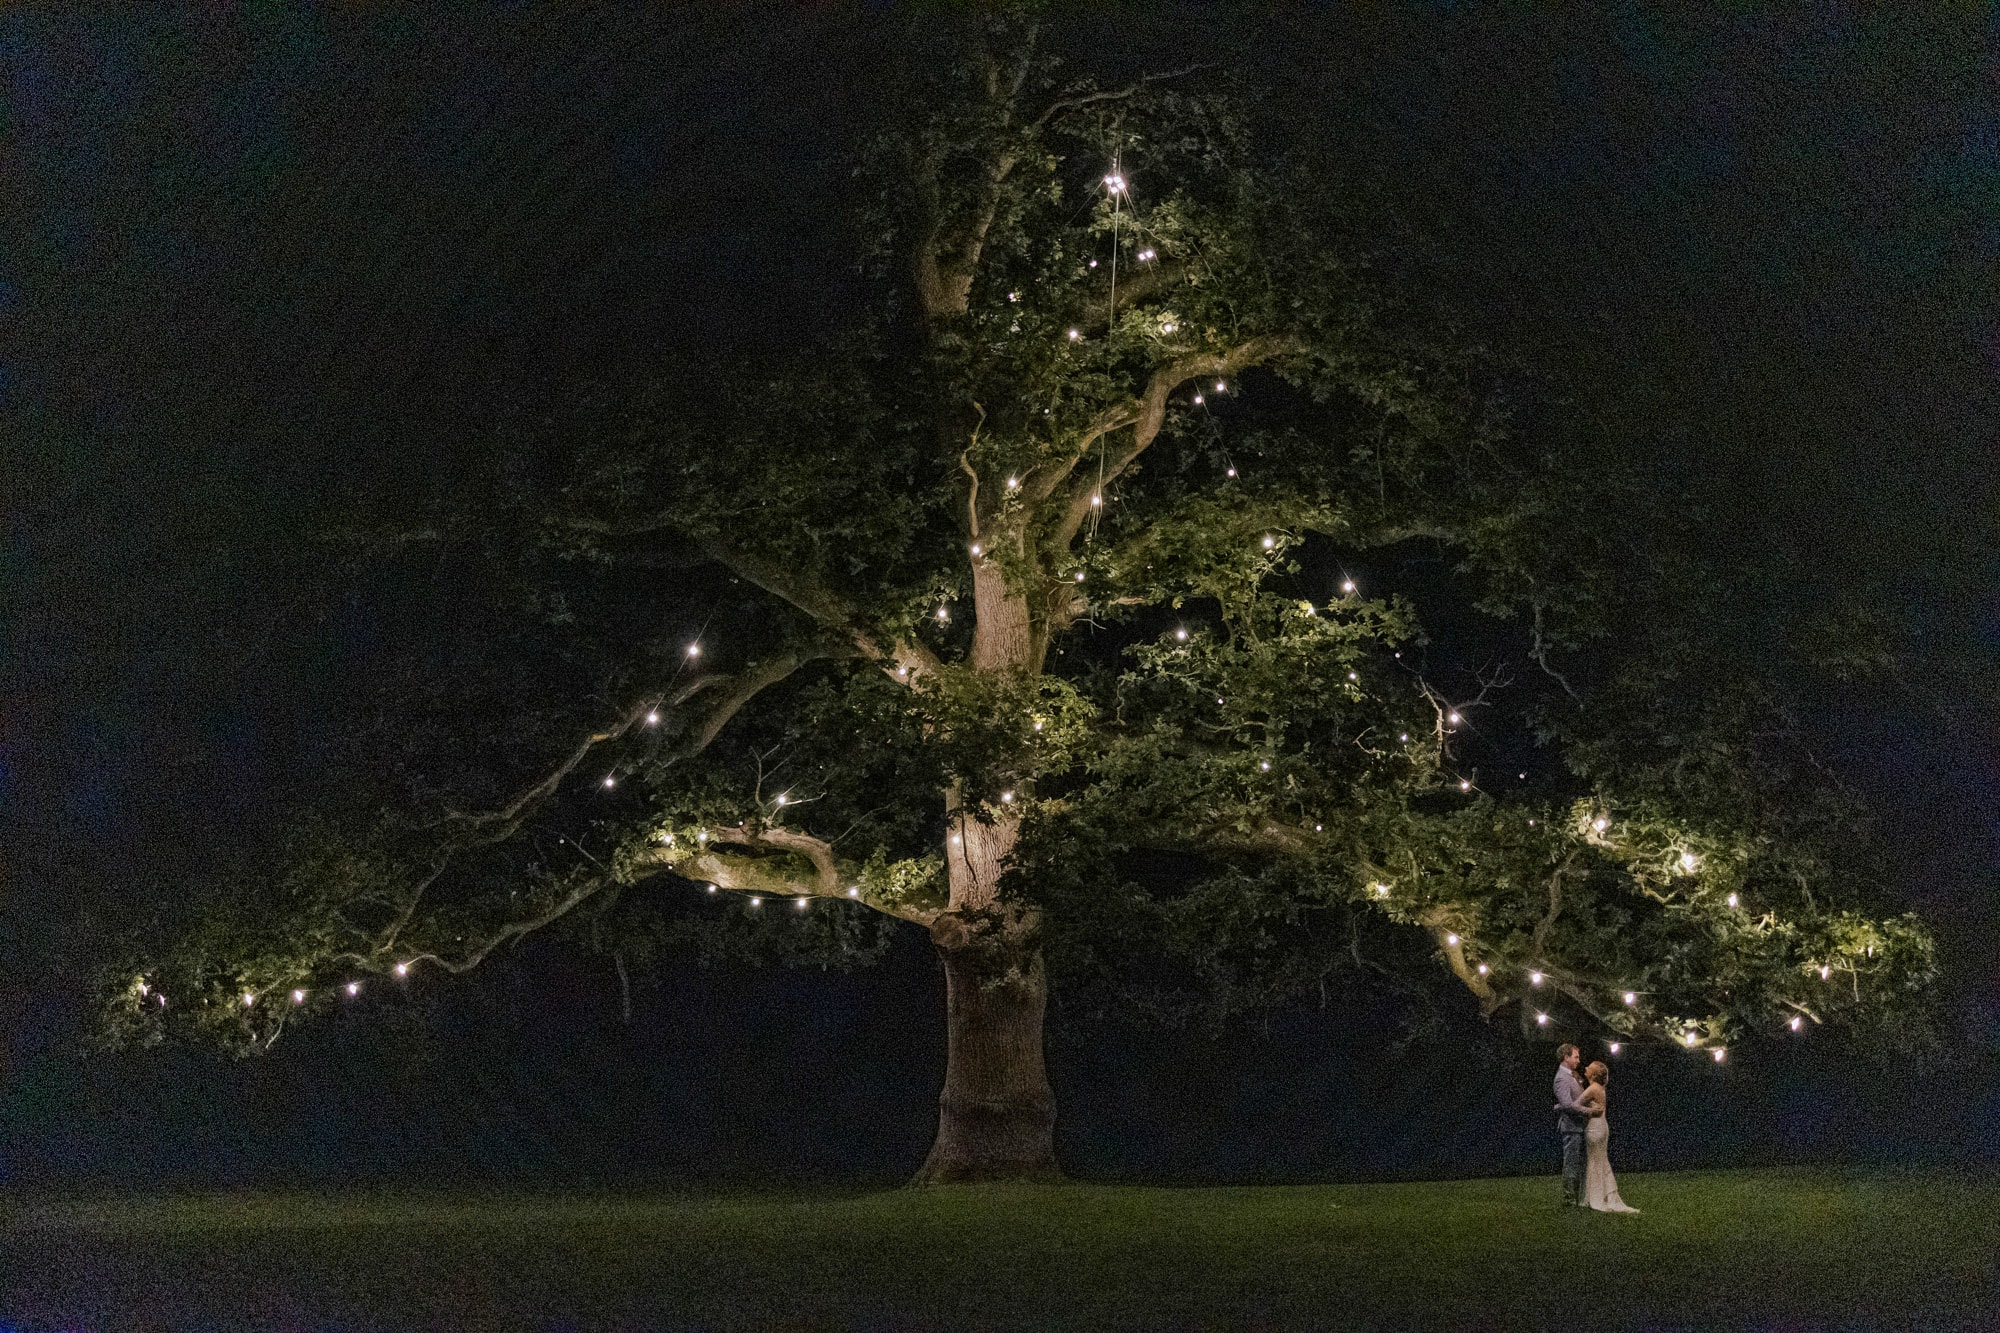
column 1571, row 1116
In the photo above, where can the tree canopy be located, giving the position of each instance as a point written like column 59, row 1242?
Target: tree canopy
column 1058, row 604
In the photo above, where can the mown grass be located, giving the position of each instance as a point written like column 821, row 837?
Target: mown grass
column 1711, row 1249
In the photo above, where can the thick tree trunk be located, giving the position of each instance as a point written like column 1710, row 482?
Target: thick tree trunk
column 996, row 1117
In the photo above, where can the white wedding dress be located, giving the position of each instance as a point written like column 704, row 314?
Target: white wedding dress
column 1600, row 1187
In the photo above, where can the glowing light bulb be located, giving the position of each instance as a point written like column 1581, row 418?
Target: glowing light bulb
column 1220, row 387
column 298, row 997
column 711, row 888
column 610, row 781
column 1114, row 183
column 1719, row 1052
column 977, row 549
column 902, row 671
column 1013, row 483
column 1451, row 941
column 1269, row 542
column 1180, row 634
column 1541, row 1020
column 1482, row 969
column 1145, row 255
column 1265, row 765
column 1381, row 889
column 1453, row 719
column 1796, row 1023
column 1038, row 724
column 402, row 969
column 804, row 903
column 1534, row 978
column 782, row 798
column 1613, row 1048
column 1075, row 334
column 1319, row 828
column 1197, row 403
column 943, row 614
column 1347, row 585
column 1093, row 263
column 1404, row 736
column 1600, row 823
column 1167, row 327
column 1079, row 576
column 755, row 901
column 955, row 840
column 854, row 892
column 652, row 719
column 248, row 999
column 162, row 999
column 353, row 988
column 1465, row 784
column 694, row 650
column 1006, row 797
column 1690, row 1039
column 1097, row 499
column 144, row 988
column 1689, row 861
column 1825, row 972
column 1631, row 997
column 1230, row 473
column 701, row 837
column 1731, row 900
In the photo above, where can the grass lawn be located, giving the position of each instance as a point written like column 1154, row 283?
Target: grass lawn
column 1759, row 1249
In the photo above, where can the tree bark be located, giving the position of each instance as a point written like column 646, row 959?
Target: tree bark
column 996, row 1116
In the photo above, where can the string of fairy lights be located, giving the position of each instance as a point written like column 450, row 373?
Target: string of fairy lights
column 1679, row 1032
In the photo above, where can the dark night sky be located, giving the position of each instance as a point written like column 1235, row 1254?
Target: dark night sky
column 253, row 260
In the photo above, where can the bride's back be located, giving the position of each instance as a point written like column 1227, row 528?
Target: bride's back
column 1599, row 1075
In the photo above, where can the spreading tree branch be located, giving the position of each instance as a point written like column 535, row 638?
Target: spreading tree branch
column 1146, row 414
column 727, row 696
column 902, row 658
column 1548, row 921
column 768, row 874
column 1062, row 106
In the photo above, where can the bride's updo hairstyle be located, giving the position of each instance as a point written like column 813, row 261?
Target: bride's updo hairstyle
column 1598, row 1072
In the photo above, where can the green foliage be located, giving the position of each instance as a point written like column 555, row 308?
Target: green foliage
column 1711, row 1249
column 1261, row 788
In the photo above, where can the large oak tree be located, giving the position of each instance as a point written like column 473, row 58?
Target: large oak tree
column 1015, row 613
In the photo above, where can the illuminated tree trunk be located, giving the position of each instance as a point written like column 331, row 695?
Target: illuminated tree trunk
column 996, row 1116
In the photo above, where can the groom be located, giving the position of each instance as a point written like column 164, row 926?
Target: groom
column 1571, row 1118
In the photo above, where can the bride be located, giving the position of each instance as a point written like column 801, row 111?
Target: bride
column 1600, row 1187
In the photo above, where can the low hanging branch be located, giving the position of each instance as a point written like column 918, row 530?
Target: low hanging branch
column 726, row 695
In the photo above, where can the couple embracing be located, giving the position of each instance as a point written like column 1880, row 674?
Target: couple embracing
column 1586, row 1135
